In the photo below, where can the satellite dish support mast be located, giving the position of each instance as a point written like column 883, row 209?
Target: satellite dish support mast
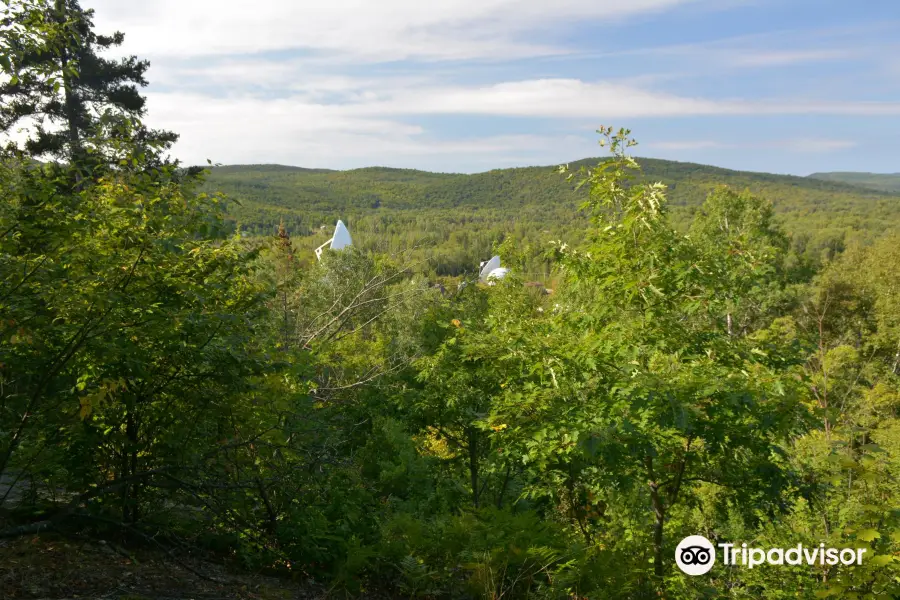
column 340, row 240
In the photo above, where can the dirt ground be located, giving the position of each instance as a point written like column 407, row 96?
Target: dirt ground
column 52, row 567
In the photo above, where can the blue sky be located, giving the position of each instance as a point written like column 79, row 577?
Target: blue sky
column 785, row 86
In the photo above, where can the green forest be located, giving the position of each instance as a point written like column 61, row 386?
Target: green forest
column 711, row 352
column 453, row 220
column 878, row 181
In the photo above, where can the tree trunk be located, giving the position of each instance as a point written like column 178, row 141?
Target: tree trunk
column 272, row 524
column 70, row 101
column 130, row 513
column 659, row 512
column 505, row 485
column 473, row 464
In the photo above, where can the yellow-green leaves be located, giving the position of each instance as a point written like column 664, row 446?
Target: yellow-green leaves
column 868, row 535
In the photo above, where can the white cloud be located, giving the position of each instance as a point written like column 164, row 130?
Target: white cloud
column 317, row 101
column 375, row 122
column 685, row 145
column 362, row 29
column 750, row 58
column 814, row 145
column 573, row 98
column 860, row 108
column 297, row 81
column 299, row 130
column 254, row 77
column 766, row 50
column 795, row 145
column 550, row 98
column 892, row 65
column 254, row 130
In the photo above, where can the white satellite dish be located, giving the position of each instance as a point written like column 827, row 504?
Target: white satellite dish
column 340, row 240
column 488, row 267
column 341, row 237
column 496, row 275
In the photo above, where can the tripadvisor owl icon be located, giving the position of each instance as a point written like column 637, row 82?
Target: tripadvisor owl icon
column 695, row 555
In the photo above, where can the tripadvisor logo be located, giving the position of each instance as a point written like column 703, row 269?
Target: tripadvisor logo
column 695, row 555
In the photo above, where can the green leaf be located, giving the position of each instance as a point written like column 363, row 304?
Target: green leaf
column 847, row 462
column 868, row 535
column 871, row 448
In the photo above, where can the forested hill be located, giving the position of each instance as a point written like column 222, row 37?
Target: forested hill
column 382, row 187
column 459, row 217
column 886, row 182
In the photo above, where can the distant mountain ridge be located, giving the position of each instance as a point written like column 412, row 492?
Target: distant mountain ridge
column 882, row 182
column 392, row 209
column 291, row 189
column 885, row 182
column 269, row 168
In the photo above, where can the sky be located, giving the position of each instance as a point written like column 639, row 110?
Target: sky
column 783, row 86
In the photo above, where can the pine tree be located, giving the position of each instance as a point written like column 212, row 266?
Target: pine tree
column 60, row 85
column 284, row 243
column 286, row 280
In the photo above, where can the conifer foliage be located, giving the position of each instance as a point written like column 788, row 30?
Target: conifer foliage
column 65, row 91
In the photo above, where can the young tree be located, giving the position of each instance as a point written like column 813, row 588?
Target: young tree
column 650, row 397
column 123, row 315
column 739, row 229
